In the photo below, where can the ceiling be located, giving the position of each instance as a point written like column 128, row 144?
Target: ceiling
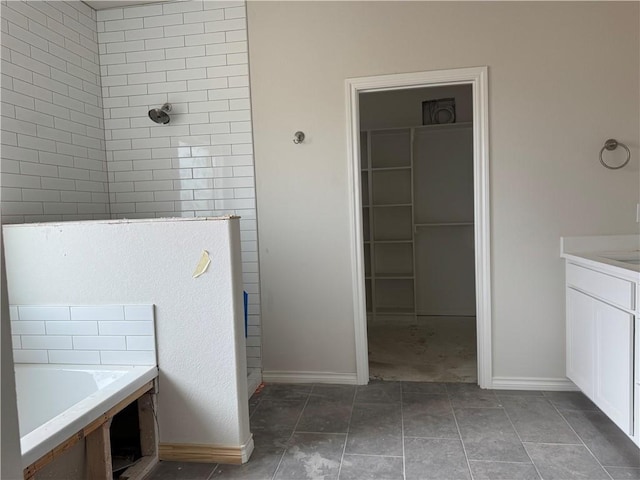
column 103, row 4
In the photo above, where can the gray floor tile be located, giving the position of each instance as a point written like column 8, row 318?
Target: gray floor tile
column 565, row 462
column 277, row 415
column 376, row 429
column 379, row 392
column 334, row 393
column 367, row 423
column 328, row 409
column 181, row 471
column 623, row 473
column 312, row 456
column 435, row 459
column 488, row 435
column 607, row 442
column 271, row 439
column 467, row 395
column 429, row 416
column 261, row 466
column 365, row 467
column 570, row 401
column 328, row 416
column 285, row 391
column 503, row 471
column 254, row 401
column 537, row 421
column 519, row 393
column 423, row 387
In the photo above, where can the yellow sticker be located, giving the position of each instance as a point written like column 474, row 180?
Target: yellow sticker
column 203, row 264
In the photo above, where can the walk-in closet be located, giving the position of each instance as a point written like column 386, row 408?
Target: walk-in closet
column 416, row 149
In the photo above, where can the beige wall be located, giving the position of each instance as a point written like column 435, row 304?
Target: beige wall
column 563, row 77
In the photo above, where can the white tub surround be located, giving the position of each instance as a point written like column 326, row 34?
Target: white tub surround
column 83, row 334
column 603, row 324
column 202, row 398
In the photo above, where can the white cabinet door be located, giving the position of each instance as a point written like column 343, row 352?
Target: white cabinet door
column 580, row 341
column 614, row 364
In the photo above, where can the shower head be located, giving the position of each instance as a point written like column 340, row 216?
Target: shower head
column 160, row 115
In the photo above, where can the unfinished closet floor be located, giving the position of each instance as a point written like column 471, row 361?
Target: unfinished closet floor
column 439, row 349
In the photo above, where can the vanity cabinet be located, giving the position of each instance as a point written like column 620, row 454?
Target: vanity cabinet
column 600, row 341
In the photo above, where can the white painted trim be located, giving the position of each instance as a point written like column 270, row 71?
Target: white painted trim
column 247, row 449
column 309, row 377
column 477, row 77
column 534, row 383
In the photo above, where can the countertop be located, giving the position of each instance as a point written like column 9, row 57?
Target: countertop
column 606, row 253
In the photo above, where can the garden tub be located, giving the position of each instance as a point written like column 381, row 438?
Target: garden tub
column 55, row 402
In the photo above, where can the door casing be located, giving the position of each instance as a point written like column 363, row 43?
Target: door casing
column 477, row 77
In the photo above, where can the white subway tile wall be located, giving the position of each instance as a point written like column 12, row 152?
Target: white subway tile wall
column 53, row 149
column 87, row 334
column 76, row 140
column 192, row 54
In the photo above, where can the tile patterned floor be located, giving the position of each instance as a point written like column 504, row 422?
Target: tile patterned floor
column 411, row 431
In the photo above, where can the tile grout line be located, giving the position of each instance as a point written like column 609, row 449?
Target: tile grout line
column 346, row 438
column 455, row 419
column 404, row 457
column 372, row 455
column 502, row 461
column 292, row 433
column 579, row 437
column 520, row 439
column 210, row 477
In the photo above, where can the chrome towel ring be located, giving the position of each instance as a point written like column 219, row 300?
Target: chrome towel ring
column 611, row 145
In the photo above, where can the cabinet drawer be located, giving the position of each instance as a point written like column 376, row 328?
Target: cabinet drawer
column 611, row 289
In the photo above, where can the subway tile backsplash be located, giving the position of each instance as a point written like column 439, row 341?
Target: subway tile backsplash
column 76, row 139
column 84, row 334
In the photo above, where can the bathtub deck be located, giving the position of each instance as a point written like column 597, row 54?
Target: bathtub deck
column 96, row 426
column 49, row 440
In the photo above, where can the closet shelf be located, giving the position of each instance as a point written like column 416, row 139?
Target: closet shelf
column 442, row 224
column 415, row 182
column 408, row 240
column 387, row 169
column 393, row 205
column 444, row 126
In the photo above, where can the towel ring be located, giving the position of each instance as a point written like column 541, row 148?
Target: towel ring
column 611, row 145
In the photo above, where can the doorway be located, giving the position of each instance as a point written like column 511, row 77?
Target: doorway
column 406, row 293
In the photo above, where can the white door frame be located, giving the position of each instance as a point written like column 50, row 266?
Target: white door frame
column 477, row 78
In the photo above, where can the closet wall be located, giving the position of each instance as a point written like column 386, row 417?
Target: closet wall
column 417, row 186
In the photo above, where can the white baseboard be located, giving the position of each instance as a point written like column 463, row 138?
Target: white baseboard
column 498, row 383
column 309, row 377
column 533, row 383
column 254, row 379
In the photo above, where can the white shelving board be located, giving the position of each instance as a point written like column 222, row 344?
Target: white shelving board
column 417, row 189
